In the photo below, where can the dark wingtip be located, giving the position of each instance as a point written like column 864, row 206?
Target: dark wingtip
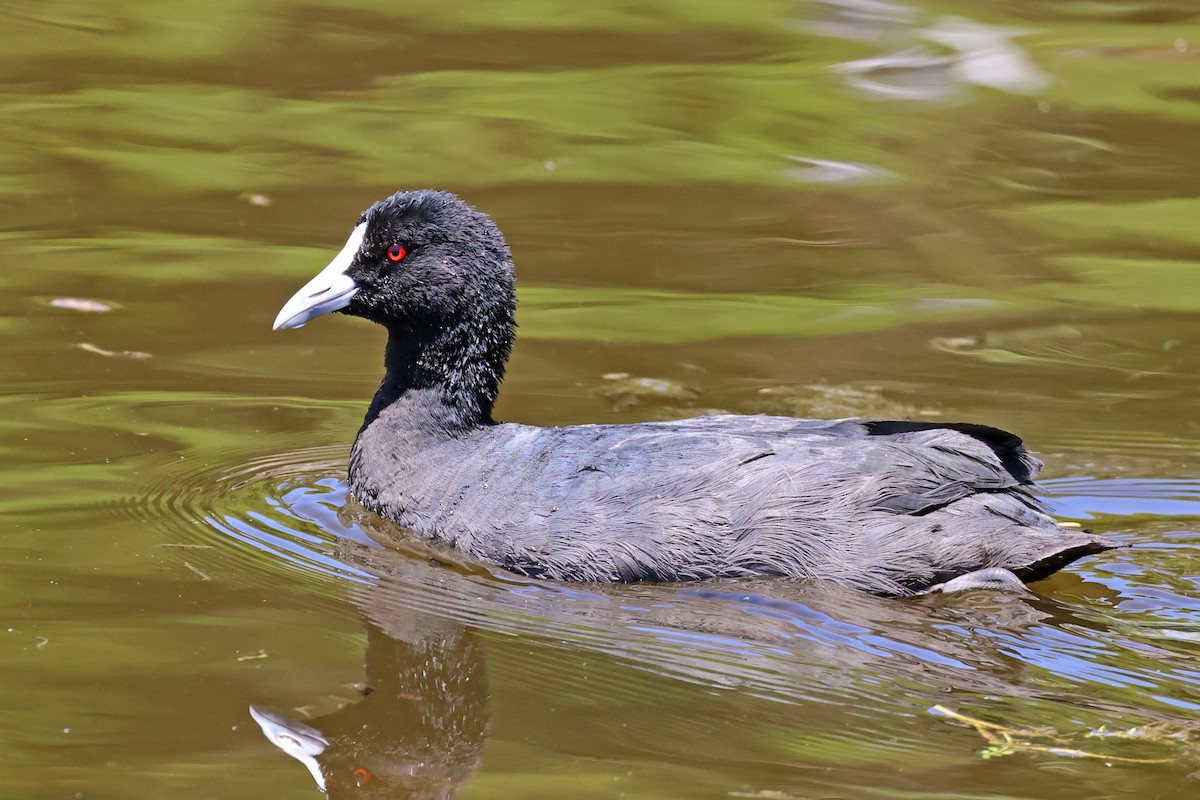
column 1008, row 447
column 1060, row 557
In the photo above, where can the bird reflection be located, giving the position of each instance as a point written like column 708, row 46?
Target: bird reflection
column 419, row 729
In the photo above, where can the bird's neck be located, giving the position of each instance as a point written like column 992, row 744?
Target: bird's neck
column 444, row 381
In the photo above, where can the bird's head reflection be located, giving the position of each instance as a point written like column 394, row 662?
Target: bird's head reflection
column 418, row 731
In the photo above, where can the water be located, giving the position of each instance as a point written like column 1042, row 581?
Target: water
column 955, row 210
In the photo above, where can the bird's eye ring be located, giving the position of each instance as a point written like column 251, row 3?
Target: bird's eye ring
column 397, row 252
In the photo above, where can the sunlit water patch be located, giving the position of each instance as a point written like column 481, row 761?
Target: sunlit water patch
column 1088, row 498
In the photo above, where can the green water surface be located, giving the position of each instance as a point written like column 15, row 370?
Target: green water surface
column 957, row 210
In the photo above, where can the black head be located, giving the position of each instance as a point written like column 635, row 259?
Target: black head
column 439, row 276
column 417, row 259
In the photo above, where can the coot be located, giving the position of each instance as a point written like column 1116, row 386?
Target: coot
column 889, row 507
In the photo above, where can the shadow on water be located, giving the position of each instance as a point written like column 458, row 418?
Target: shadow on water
column 761, row 650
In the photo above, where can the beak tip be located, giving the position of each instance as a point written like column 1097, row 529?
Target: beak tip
column 281, row 324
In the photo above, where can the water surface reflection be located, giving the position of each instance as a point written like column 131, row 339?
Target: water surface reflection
column 419, row 729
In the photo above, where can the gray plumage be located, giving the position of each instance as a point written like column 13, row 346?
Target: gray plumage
column 889, row 507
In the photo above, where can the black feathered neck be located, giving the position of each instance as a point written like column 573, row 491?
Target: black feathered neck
column 448, row 307
column 451, row 382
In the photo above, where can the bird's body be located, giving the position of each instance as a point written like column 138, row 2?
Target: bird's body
column 890, row 507
column 868, row 504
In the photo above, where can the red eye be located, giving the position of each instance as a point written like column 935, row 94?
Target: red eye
column 362, row 776
column 396, row 252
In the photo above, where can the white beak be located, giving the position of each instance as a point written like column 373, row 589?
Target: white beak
column 330, row 290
